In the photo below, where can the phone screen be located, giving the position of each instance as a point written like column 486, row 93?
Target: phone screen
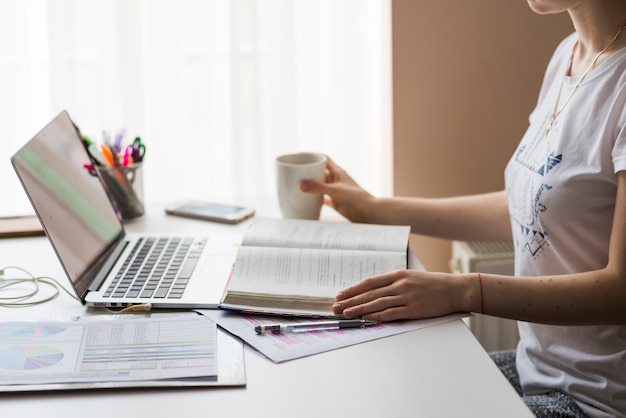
column 211, row 211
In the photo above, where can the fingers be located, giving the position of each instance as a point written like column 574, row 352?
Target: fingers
column 319, row 187
column 341, row 193
column 391, row 314
column 383, row 309
column 402, row 294
column 372, row 298
column 334, row 174
column 369, row 284
column 313, row 186
column 332, row 170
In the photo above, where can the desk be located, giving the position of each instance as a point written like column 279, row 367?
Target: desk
column 439, row 371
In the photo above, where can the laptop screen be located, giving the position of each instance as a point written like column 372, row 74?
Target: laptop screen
column 69, row 199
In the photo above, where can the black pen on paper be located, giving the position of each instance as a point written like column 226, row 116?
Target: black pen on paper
column 313, row 326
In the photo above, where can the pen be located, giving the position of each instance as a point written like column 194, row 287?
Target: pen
column 313, row 326
column 128, row 156
column 117, row 144
column 108, row 155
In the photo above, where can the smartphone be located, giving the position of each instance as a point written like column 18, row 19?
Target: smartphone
column 208, row 211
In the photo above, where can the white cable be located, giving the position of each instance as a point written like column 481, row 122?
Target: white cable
column 142, row 308
column 25, row 298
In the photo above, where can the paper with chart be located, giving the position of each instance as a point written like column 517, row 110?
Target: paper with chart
column 290, row 346
column 113, row 348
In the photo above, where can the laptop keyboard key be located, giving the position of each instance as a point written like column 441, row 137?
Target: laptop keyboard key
column 188, row 267
column 158, row 266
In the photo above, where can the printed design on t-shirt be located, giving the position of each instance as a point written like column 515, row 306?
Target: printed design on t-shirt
column 533, row 161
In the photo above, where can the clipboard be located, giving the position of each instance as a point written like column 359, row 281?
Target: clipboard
column 230, row 373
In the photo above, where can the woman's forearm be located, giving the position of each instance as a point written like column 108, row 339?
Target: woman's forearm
column 482, row 217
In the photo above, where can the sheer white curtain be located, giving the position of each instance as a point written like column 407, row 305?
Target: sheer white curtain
column 215, row 88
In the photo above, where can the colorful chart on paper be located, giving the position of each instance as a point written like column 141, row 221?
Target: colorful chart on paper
column 27, row 331
column 29, row 357
column 107, row 349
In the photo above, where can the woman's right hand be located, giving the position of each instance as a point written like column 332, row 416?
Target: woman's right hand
column 342, row 193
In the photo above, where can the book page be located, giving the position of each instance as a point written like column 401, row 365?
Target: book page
column 307, row 272
column 330, row 235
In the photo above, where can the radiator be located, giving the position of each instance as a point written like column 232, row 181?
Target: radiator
column 493, row 333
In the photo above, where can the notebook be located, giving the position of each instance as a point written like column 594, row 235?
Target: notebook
column 106, row 266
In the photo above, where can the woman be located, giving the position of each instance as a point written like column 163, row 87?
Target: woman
column 564, row 207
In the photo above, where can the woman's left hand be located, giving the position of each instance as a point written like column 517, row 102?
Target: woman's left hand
column 406, row 294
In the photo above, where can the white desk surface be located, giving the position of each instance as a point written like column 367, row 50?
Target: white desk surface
column 439, row 371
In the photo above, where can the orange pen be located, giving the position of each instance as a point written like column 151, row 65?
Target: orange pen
column 108, row 155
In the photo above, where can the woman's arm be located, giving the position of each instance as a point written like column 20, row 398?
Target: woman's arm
column 595, row 297
column 482, row 217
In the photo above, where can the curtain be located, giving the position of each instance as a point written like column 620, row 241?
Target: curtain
column 216, row 89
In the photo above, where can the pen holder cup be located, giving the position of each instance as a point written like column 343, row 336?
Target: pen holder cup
column 124, row 185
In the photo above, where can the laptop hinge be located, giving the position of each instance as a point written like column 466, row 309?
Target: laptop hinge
column 107, row 266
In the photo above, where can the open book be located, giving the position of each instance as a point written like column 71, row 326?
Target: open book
column 298, row 266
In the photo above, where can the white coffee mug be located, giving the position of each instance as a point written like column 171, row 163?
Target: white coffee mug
column 290, row 170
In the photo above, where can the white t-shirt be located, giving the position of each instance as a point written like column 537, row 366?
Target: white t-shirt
column 561, row 195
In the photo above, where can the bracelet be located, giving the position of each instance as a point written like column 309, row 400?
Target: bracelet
column 482, row 300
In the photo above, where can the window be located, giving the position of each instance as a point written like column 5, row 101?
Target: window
column 215, row 88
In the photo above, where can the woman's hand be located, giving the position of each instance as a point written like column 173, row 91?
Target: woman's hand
column 342, row 193
column 408, row 294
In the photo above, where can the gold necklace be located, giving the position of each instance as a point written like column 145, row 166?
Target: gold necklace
column 556, row 112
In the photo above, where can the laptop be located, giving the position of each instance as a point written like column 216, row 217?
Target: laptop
column 106, row 266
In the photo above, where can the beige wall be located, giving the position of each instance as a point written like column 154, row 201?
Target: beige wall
column 466, row 74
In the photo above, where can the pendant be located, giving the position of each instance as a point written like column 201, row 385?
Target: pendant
column 548, row 128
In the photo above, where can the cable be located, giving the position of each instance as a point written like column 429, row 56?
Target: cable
column 142, row 307
column 24, row 296
column 24, row 299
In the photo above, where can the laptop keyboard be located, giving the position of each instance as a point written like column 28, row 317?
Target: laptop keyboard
column 157, row 268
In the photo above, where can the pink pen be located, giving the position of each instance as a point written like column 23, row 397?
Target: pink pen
column 128, row 156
